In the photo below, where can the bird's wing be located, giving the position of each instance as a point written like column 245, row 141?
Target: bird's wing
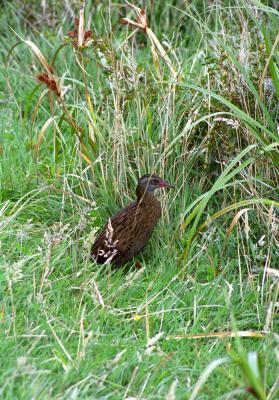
column 119, row 232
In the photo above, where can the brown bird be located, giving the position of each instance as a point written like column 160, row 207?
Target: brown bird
column 127, row 232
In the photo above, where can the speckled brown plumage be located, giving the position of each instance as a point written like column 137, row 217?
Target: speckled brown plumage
column 127, row 232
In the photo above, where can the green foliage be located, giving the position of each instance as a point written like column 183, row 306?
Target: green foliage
column 198, row 320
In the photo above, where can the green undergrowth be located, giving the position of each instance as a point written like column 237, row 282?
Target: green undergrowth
column 195, row 316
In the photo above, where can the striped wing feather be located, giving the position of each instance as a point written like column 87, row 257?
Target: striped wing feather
column 124, row 228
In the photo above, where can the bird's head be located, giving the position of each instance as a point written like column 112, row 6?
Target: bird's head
column 149, row 183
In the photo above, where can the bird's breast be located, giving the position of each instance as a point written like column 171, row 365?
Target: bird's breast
column 152, row 214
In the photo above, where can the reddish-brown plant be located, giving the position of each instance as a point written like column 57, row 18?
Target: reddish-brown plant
column 79, row 32
column 50, row 82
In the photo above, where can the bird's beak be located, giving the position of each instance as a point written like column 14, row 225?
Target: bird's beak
column 165, row 184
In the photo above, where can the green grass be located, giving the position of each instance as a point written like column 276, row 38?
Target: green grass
column 73, row 330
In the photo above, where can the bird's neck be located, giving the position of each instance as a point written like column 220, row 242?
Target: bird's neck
column 145, row 197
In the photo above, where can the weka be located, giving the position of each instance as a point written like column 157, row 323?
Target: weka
column 127, row 232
